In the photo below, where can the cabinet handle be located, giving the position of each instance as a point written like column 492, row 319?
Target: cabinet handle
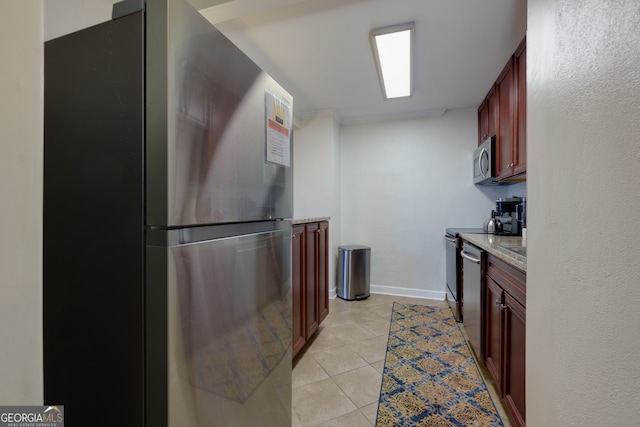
column 498, row 302
column 503, row 307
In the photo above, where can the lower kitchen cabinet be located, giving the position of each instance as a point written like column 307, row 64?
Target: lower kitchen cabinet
column 297, row 250
column 505, row 332
column 322, row 259
column 310, row 280
column 312, row 319
column 514, row 360
column 494, row 332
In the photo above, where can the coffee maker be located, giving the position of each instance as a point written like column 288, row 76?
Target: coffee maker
column 511, row 212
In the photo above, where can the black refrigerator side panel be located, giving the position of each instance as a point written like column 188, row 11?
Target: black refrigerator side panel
column 94, row 224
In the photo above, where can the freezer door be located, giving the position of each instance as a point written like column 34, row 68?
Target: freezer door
column 208, row 114
column 228, row 323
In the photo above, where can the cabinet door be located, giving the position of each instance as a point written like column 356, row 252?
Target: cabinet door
column 494, row 331
column 311, row 279
column 492, row 113
column 505, row 135
column 323, row 270
column 483, row 121
column 298, row 291
column 514, row 359
column 520, row 146
column 487, row 117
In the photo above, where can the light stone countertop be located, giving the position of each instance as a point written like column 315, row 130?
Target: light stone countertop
column 491, row 242
column 307, row 220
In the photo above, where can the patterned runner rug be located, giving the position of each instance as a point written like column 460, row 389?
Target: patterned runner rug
column 430, row 376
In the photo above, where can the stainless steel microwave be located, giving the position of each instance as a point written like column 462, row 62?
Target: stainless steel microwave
column 484, row 165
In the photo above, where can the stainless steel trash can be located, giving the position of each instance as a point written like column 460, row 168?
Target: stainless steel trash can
column 354, row 265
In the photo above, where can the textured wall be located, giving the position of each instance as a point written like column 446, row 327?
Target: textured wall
column 21, row 127
column 583, row 293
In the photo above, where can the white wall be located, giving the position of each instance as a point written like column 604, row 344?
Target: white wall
column 519, row 189
column 315, row 177
column 67, row 16
column 336, row 219
column 313, row 168
column 583, row 157
column 21, row 128
column 402, row 184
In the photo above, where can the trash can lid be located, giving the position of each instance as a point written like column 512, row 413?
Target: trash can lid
column 354, row 247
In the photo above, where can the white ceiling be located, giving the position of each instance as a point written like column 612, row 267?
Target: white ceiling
column 319, row 50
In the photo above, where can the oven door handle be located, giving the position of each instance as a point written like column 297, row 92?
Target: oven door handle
column 465, row 255
column 449, row 239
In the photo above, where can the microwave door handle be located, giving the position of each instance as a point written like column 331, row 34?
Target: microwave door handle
column 482, row 170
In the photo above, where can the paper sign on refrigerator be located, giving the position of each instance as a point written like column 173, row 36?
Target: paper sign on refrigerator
column 278, row 134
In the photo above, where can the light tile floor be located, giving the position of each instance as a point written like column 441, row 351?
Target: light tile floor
column 336, row 377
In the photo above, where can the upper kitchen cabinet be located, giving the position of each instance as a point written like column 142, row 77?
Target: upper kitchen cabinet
column 505, row 135
column 520, row 74
column 503, row 113
column 487, row 116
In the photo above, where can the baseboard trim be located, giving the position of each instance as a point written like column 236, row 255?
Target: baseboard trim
column 400, row 292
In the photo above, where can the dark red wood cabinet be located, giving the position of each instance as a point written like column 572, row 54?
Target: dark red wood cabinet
column 505, row 137
column 494, row 331
column 505, row 334
column 310, row 280
column 520, row 74
column 483, row 113
column 514, row 359
column 503, row 113
column 298, row 294
column 312, row 318
column 487, row 116
column 322, row 259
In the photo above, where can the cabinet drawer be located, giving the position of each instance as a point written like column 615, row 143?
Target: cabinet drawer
column 512, row 280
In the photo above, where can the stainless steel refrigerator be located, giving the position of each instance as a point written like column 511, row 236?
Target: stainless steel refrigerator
column 167, row 226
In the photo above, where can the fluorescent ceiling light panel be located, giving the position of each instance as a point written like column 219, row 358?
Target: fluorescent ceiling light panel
column 393, row 53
